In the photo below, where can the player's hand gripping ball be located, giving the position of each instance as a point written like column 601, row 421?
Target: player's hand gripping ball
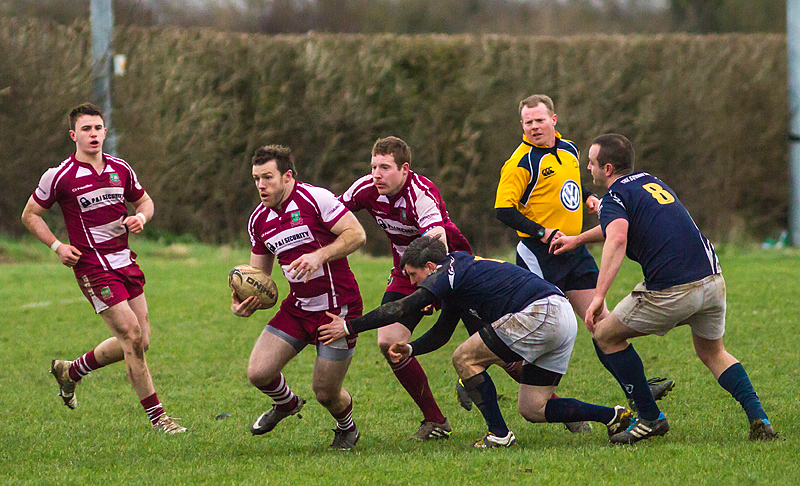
column 246, row 281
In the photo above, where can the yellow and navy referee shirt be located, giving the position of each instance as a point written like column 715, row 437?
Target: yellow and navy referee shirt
column 544, row 184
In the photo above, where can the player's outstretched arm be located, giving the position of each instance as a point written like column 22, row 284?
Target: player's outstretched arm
column 384, row 315
column 563, row 243
column 32, row 219
column 438, row 335
column 610, row 263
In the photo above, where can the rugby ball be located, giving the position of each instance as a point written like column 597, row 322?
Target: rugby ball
column 246, row 281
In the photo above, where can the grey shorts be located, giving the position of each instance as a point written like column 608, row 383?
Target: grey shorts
column 542, row 334
column 700, row 305
column 335, row 351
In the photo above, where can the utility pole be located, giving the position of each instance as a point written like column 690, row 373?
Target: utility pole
column 102, row 18
column 793, row 39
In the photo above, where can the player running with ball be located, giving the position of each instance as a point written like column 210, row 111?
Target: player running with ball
column 311, row 233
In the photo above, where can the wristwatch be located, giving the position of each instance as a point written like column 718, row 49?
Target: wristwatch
column 540, row 233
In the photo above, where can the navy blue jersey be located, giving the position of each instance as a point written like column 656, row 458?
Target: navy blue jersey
column 487, row 288
column 662, row 237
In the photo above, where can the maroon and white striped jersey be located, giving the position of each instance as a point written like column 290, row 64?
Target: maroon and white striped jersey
column 94, row 207
column 302, row 226
column 415, row 209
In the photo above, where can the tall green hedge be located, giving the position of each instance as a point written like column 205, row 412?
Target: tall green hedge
column 707, row 114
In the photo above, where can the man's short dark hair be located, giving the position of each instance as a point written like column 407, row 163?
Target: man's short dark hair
column 84, row 109
column 281, row 155
column 395, row 147
column 423, row 250
column 617, row 150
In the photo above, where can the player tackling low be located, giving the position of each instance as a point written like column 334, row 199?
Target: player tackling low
column 683, row 285
column 524, row 318
column 311, row 233
column 92, row 189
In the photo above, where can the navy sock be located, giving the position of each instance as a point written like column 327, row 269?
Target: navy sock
column 736, row 382
column 481, row 390
column 570, row 410
column 629, row 371
column 604, row 360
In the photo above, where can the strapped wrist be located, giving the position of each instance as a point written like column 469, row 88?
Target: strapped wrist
column 142, row 217
column 55, row 246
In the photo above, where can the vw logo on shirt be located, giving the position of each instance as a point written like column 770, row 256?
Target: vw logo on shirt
column 571, row 195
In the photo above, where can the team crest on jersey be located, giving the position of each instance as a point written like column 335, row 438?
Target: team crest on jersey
column 296, row 216
column 571, row 195
column 114, row 177
column 547, row 172
column 403, row 214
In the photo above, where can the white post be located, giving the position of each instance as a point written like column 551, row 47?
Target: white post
column 793, row 38
column 102, row 17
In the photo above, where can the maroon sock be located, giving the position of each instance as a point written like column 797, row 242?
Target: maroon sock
column 411, row 375
column 153, row 408
column 344, row 419
column 83, row 366
column 277, row 390
column 514, row 370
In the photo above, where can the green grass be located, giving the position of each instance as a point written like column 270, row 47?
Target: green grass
column 198, row 358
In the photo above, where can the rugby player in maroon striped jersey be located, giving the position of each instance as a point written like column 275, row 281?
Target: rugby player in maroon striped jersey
column 92, row 189
column 311, row 233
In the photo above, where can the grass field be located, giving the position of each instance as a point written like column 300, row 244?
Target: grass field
column 198, row 358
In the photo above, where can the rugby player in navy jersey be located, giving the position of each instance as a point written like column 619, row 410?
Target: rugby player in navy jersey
column 683, row 285
column 525, row 318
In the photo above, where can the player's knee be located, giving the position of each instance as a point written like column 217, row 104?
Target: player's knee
column 603, row 339
column 461, row 362
column 259, row 377
column 131, row 339
column 326, row 396
column 532, row 412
